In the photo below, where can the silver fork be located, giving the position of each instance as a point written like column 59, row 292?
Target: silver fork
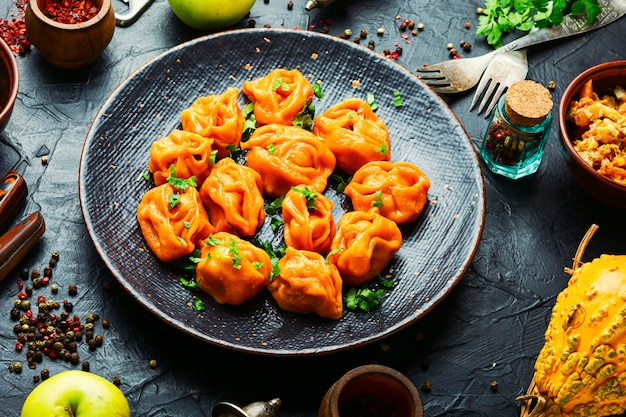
column 503, row 70
column 458, row 75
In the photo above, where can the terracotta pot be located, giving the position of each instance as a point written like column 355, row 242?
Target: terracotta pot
column 605, row 76
column 389, row 391
column 70, row 45
column 9, row 82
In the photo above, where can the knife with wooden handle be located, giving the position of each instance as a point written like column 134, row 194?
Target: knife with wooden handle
column 13, row 192
column 18, row 240
column 15, row 243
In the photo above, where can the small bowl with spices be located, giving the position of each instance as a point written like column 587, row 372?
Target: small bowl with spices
column 372, row 391
column 70, row 34
column 592, row 120
column 9, row 82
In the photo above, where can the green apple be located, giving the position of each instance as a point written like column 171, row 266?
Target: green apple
column 210, row 14
column 76, row 394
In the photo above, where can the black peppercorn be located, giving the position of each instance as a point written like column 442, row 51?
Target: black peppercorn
column 117, row 380
column 45, row 374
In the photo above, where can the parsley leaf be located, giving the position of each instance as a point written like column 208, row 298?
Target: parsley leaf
column 502, row 16
column 311, row 196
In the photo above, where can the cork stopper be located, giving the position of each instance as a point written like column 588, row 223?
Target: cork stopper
column 527, row 103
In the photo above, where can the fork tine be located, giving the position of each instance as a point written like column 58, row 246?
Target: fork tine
column 494, row 99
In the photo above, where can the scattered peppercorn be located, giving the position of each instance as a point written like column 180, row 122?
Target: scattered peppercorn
column 36, row 379
column 479, row 10
column 420, row 26
column 453, row 52
column 16, row 367
column 290, row 5
column 105, row 324
column 117, row 380
column 72, row 289
column 426, row 386
column 449, row 46
column 371, row 44
column 45, row 374
column 380, row 31
column 54, row 288
column 357, row 40
column 153, row 363
column 552, row 85
column 85, row 366
column 363, row 33
column 466, row 46
column 494, row 386
column 468, row 25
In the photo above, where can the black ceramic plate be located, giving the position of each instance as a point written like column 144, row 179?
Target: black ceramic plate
column 437, row 248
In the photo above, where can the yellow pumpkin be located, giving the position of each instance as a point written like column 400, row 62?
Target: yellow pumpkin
column 581, row 369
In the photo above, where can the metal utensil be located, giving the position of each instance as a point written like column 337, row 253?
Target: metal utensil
column 504, row 70
column 135, row 9
column 455, row 76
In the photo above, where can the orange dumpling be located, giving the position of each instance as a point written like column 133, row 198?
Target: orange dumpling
column 364, row 244
column 232, row 270
column 279, row 96
column 172, row 221
column 309, row 222
column 307, row 284
column 188, row 152
column 232, row 193
column 218, row 117
column 398, row 189
column 287, row 156
column 354, row 133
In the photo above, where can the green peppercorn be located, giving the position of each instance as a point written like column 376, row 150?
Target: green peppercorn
column 426, row 386
column 17, row 367
column 153, row 363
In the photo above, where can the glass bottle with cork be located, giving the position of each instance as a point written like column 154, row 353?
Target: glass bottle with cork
column 519, row 128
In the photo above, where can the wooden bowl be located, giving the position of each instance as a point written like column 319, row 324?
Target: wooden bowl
column 9, row 82
column 604, row 76
column 70, row 46
column 372, row 390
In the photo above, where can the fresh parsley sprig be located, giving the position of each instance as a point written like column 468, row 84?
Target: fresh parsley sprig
column 502, row 16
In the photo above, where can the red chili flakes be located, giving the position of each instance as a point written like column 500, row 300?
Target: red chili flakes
column 13, row 30
column 70, row 11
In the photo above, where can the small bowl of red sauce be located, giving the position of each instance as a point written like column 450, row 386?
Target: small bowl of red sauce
column 9, row 82
column 372, row 391
column 70, row 33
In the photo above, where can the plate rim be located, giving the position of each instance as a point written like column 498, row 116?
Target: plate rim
column 194, row 332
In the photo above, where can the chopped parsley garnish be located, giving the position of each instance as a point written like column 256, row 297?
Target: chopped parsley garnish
column 397, row 99
column 279, row 83
column 271, row 148
column 198, row 304
column 258, row 265
column 372, row 101
column 186, row 224
column 502, row 16
column 275, row 223
column 304, row 118
column 174, row 200
column 249, row 123
column 211, row 241
column 341, row 183
column 311, row 196
column 143, row 177
column 234, row 151
column 317, row 89
column 234, row 250
column 274, row 254
column 365, row 298
column 197, row 260
column 187, row 283
column 213, row 157
column 381, row 149
column 274, row 206
column 180, row 183
column 378, row 203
